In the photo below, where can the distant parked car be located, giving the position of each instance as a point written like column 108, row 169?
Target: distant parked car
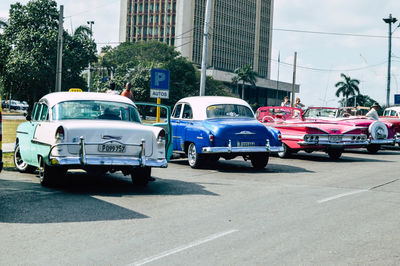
column 25, row 105
column 206, row 128
column 392, row 111
column 96, row 132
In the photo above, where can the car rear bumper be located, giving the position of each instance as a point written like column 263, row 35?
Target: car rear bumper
column 344, row 144
column 84, row 159
column 383, row 141
column 250, row 149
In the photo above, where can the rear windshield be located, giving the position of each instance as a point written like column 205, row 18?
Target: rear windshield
column 228, row 111
column 93, row 110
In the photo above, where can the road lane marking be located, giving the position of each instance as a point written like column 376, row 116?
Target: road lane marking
column 343, row 195
column 182, row 248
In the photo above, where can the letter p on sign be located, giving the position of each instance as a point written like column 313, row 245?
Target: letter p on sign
column 159, row 79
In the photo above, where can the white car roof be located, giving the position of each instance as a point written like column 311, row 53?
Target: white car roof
column 199, row 104
column 57, row 97
column 395, row 108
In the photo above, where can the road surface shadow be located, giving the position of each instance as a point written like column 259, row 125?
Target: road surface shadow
column 71, row 200
column 26, row 202
column 118, row 185
column 241, row 166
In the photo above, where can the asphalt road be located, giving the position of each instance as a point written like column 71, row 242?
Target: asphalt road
column 308, row 210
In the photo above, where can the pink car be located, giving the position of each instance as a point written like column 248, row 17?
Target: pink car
column 299, row 134
column 379, row 133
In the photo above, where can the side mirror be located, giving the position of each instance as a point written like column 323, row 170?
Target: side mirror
column 28, row 117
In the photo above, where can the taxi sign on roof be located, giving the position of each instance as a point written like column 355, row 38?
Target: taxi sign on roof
column 75, row 90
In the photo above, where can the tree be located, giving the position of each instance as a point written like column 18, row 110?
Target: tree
column 361, row 100
column 31, row 39
column 245, row 74
column 348, row 87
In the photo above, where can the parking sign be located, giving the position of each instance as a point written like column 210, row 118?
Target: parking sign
column 159, row 87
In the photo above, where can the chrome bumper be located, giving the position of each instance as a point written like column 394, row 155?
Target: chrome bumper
column 230, row 149
column 383, row 141
column 84, row 159
column 336, row 144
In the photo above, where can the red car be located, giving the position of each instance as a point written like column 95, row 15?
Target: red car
column 379, row 133
column 299, row 134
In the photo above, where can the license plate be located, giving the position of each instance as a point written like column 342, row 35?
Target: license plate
column 335, row 138
column 117, row 148
column 246, row 144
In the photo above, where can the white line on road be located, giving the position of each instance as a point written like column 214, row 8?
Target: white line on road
column 342, row 195
column 181, row 248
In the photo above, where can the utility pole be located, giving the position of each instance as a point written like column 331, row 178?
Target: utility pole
column 294, row 78
column 277, row 80
column 60, row 49
column 89, row 67
column 389, row 20
column 205, row 48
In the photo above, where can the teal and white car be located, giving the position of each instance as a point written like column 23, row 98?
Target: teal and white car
column 96, row 132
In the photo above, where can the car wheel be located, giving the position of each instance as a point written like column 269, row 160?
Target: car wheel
column 259, row 160
column 334, row 154
column 48, row 173
column 286, row 151
column 22, row 166
column 373, row 148
column 195, row 160
column 140, row 176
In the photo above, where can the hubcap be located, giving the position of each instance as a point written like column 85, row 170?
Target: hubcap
column 192, row 154
column 18, row 160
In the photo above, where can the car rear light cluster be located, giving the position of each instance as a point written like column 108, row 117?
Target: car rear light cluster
column 211, row 137
column 279, row 136
column 360, row 137
column 311, row 138
column 161, row 136
column 60, row 133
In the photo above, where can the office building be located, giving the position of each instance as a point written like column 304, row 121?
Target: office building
column 240, row 34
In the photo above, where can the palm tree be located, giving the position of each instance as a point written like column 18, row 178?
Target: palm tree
column 347, row 88
column 83, row 32
column 245, row 74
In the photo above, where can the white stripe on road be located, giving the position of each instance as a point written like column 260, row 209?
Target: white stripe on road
column 181, row 248
column 342, row 195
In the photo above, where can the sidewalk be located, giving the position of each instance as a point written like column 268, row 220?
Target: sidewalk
column 8, row 147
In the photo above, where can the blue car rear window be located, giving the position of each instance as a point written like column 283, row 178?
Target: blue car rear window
column 228, row 111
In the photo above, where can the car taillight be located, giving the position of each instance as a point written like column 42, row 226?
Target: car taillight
column 60, row 133
column 161, row 136
column 211, row 137
column 279, row 136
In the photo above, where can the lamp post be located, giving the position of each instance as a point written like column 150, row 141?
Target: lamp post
column 389, row 21
column 90, row 23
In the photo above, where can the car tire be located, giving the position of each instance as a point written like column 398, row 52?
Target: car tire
column 22, row 166
column 141, row 175
column 334, row 154
column 47, row 173
column 259, row 160
column 373, row 148
column 195, row 160
column 286, row 151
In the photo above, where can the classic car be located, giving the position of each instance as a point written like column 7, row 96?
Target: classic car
column 379, row 132
column 206, row 128
column 96, row 132
column 393, row 111
column 298, row 134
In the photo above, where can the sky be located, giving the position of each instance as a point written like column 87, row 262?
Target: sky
column 321, row 58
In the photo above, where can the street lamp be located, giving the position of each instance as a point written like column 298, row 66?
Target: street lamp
column 389, row 21
column 90, row 23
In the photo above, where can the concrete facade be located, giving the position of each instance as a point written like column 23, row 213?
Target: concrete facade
column 240, row 34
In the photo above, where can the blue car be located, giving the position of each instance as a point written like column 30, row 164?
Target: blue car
column 206, row 128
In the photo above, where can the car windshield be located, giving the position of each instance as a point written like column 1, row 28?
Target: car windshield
column 228, row 111
column 95, row 110
column 320, row 112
